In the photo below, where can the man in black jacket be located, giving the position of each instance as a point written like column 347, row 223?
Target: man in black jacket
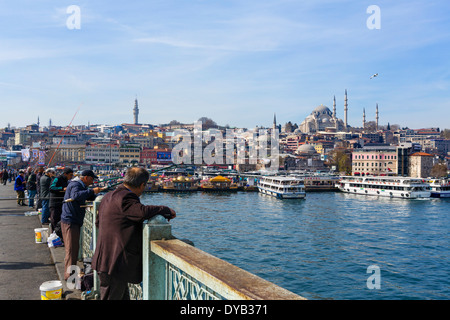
column 57, row 190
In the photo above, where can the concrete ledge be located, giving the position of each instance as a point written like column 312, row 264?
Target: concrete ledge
column 229, row 281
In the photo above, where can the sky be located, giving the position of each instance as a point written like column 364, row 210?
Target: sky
column 238, row 62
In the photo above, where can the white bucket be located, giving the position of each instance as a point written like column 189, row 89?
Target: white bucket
column 51, row 290
column 40, row 235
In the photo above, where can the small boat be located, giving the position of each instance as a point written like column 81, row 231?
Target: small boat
column 387, row 186
column 179, row 184
column 218, row 183
column 282, row 187
column 440, row 188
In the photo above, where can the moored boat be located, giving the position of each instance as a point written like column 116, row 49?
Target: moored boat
column 218, row 183
column 387, row 186
column 179, row 184
column 440, row 188
column 282, row 187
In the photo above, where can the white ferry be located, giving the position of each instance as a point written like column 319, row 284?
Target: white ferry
column 394, row 187
column 440, row 188
column 282, row 187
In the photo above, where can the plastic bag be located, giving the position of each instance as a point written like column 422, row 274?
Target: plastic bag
column 54, row 241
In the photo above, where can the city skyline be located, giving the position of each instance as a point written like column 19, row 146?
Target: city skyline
column 236, row 63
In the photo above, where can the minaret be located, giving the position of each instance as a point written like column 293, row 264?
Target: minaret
column 136, row 111
column 274, row 127
column 376, row 128
column 364, row 118
column 345, row 110
column 334, row 107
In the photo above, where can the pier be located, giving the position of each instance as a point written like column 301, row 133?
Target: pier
column 173, row 269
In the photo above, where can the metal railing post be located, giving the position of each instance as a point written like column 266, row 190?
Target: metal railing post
column 154, row 267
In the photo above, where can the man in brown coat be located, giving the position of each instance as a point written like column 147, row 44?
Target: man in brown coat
column 118, row 255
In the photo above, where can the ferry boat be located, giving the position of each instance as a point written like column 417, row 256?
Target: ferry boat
column 387, row 186
column 282, row 187
column 440, row 188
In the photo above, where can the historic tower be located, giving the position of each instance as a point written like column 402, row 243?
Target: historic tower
column 376, row 128
column 364, row 118
column 136, row 112
column 345, row 111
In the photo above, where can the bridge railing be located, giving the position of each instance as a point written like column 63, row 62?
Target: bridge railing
column 175, row 269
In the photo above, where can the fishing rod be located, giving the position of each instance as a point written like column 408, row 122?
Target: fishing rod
column 54, row 153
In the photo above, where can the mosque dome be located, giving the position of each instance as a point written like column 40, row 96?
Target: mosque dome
column 322, row 110
column 306, row 148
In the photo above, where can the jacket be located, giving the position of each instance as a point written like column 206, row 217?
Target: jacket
column 57, row 191
column 44, row 190
column 72, row 212
column 119, row 245
column 31, row 183
column 19, row 184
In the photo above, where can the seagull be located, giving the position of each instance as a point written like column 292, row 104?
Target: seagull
column 375, row 75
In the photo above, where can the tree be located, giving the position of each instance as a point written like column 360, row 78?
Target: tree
column 342, row 160
column 439, row 170
column 445, row 134
column 207, row 123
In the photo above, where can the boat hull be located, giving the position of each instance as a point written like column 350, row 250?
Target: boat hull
column 300, row 195
column 386, row 193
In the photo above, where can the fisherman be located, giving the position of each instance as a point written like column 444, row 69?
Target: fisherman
column 72, row 216
column 45, row 182
column 57, row 191
column 118, row 254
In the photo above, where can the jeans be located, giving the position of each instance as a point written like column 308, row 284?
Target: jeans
column 31, row 195
column 45, row 211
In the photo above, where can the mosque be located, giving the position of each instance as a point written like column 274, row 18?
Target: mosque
column 322, row 119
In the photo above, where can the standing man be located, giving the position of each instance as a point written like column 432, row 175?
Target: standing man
column 118, row 255
column 45, row 182
column 39, row 175
column 31, row 187
column 5, row 176
column 72, row 216
column 57, row 191
column 19, row 187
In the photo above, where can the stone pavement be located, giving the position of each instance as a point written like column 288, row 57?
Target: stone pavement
column 25, row 264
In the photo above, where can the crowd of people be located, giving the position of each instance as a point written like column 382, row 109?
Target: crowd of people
column 62, row 200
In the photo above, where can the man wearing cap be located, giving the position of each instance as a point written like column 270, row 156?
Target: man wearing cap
column 72, row 216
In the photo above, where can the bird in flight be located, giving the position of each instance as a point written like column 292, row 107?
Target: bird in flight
column 375, row 75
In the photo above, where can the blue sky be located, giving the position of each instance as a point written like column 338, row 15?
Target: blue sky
column 235, row 61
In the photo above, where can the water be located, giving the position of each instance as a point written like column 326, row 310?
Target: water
column 321, row 247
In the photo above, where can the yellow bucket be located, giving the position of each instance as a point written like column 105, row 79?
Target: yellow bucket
column 51, row 290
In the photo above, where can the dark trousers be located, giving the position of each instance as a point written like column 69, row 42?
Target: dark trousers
column 111, row 288
column 71, row 236
column 55, row 216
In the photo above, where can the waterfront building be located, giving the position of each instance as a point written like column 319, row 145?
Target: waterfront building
column 420, row 164
column 102, row 153
column 374, row 161
column 129, row 153
column 68, row 153
column 152, row 156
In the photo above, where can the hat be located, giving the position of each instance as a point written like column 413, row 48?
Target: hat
column 88, row 173
column 67, row 170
